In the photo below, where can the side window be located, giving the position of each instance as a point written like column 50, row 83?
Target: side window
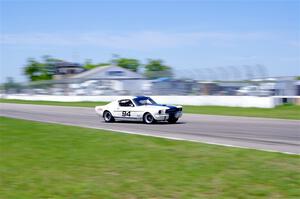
column 126, row 103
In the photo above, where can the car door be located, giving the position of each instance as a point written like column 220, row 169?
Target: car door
column 125, row 109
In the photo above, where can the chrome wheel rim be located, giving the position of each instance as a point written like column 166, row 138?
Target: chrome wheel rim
column 107, row 116
column 149, row 118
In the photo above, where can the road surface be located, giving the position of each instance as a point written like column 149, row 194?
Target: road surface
column 257, row 133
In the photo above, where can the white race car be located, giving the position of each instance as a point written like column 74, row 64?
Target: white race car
column 139, row 108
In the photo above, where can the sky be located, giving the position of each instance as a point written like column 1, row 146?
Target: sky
column 190, row 36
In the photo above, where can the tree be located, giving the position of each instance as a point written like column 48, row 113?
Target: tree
column 155, row 68
column 131, row 64
column 33, row 69
column 50, row 64
column 10, row 85
column 36, row 70
column 88, row 64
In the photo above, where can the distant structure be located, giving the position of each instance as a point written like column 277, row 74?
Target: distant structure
column 108, row 72
column 108, row 79
column 72, row 79
column 67, row 69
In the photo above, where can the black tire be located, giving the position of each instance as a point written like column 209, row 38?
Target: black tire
column 148, row 118
column 172, row 120
column 107, row 116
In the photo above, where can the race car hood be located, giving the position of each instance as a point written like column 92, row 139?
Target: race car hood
column 163, row 106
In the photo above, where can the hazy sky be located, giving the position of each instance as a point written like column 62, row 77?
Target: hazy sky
column 188, row 35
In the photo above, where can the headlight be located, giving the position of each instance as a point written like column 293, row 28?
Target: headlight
column 160, row 111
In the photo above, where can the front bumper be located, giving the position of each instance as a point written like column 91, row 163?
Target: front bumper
column 164, row 117
column 161, row 117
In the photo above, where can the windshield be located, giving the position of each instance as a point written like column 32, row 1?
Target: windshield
column 140, row 101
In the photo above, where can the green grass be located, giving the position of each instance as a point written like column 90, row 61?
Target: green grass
column 40, row 160
column 287, row 111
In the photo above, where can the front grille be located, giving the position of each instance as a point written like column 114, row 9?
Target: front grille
column 173, row 110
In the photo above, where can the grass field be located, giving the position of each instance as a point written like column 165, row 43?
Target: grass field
column 40, row 160
column 287, row 111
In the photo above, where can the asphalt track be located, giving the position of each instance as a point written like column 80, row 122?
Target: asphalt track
column 246, row 132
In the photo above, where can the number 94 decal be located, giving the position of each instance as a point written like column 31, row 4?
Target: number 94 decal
column 125, row 113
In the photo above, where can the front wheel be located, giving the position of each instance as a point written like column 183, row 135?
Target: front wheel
column 172, row 120
column 107, row 116
column 148, row 118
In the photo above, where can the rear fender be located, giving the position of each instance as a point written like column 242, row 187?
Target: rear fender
column 99, row 110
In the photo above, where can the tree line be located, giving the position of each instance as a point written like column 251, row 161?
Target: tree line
column 45, row 68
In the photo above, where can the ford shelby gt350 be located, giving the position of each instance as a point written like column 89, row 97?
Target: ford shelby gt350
column 139, row 108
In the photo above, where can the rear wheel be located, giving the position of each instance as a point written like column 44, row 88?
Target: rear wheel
column 107, row 116
column 172, row 120
column 148, row 118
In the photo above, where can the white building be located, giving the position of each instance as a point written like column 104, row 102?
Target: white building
column 108, row 80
